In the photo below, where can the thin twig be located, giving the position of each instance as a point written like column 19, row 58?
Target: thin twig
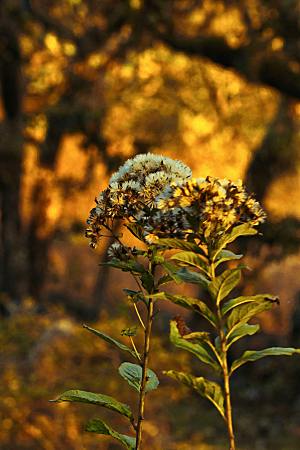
column 134, row 348
column 139, row 316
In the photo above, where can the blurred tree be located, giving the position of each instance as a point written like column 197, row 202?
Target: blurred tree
column 131, row 76
column 12, row 242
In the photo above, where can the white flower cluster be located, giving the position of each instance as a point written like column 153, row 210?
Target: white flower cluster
column 148, row 175
column 133, row 191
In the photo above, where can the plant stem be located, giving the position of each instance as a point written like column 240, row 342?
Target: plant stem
column 145, row 361
column 226, row 384
column 228, row 405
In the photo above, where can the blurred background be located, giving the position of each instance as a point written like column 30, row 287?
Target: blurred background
column 86, row 84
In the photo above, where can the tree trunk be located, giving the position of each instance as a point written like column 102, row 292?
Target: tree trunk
column 13, row 254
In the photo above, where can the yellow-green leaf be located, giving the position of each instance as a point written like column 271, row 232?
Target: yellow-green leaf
column 191, row 303
column 95, row 399
column 241, row 230
column 100, row 427
column 226, row 255
column 206, row 388
column 189, row 276
column 235, row 302
column 111, row 341
column 200, row 349
column 243, row 313
column 179, row 244
column 191, row 259
column 254, row 355
column 222, row 285
column 240, row 331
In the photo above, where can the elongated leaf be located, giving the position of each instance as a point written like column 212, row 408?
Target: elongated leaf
column 95, row 399
column 241, row 331
column 179, row 244
column 189, row 276
column 100, row 427
column 137, row 231
column 197, row 336
column 245, row 312
column 131, row 293
column 147, row 281
column 222, row 285
column 132, row 373
column 125, row 266
column 171, row 270
column 226, row 255
column 190, row 259
column 254, row 355
column 164, row 280
column 191, row 303
column 241, row 230
column 234, row 302
column 111, row 341
column 200, row 349
column 208, row 389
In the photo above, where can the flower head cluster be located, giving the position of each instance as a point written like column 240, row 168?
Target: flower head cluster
column 121, row 252
column 133, row 190
column 208, row 207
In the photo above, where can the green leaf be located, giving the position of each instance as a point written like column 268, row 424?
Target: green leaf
column 241, row 331
column 189, row 303
column 208, row 389
column 125, row 266
column 132, row 373
column 158, row 259
column 200, row 349
column 245, row 312
column 171, row 270
column 197, row 336
column 130, row 331
column 222, row 285
column 137, row 231
column 100, row 427
column 254, row 355
column 95, row 399
column 234, row 302
column 241, row 230
column 147, row 281
column 111, row 341
column 131, row 293
column 179, row 244
column 191, row 259
column 164, row 280
column 189, row 276
column 226, row 255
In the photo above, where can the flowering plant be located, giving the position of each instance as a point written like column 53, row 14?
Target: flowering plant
column 131, row 198
column 213, row 213
column 158, row 202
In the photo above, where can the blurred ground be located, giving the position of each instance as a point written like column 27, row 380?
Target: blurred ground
column 43, row 355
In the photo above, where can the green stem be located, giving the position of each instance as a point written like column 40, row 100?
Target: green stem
column 226, row 384
column 145, row 360
column 228, row 406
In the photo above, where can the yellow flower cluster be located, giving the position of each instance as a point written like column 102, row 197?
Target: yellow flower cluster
column 209, row 207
